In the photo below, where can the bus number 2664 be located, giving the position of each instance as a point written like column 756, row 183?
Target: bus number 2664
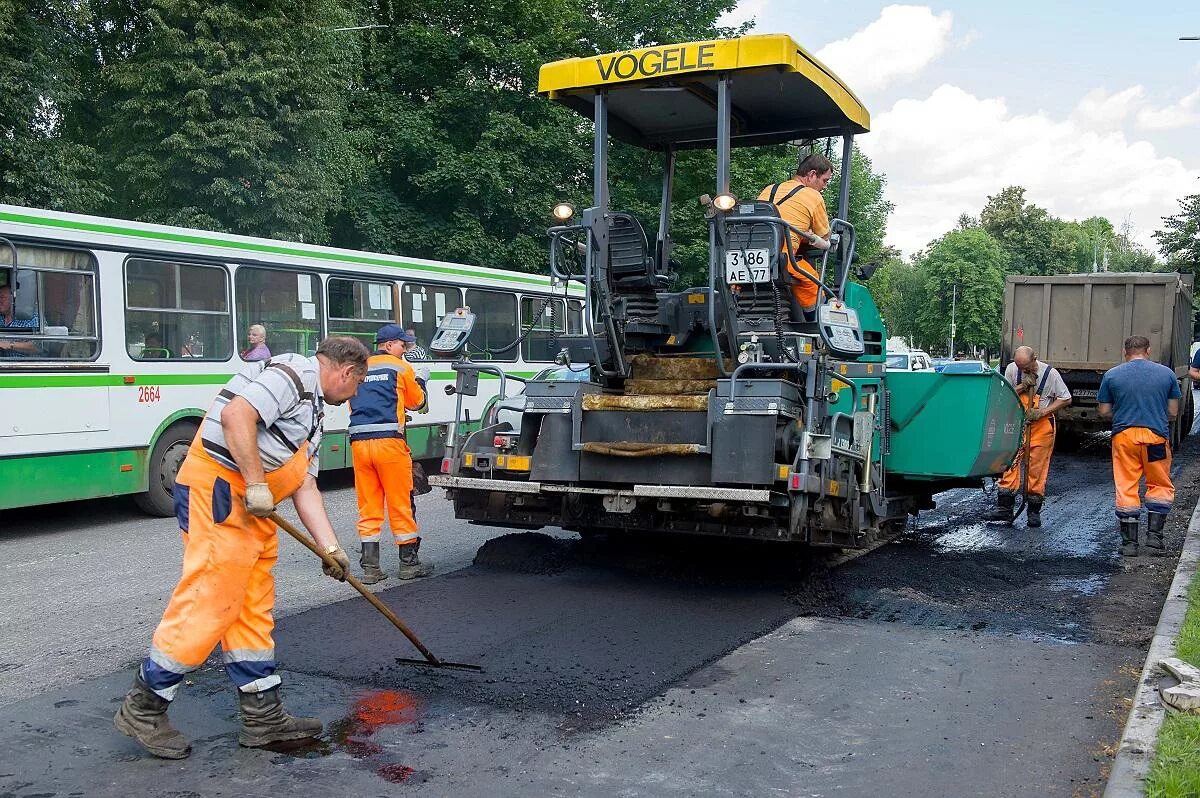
column 149, row 393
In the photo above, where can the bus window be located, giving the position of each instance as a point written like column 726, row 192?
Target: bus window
column 176, row 310
column 542, row 344
column 286, row 303
column 495, row 324
column 48, row 304
column 358, row 308
column 422, row 307
column 574, row 317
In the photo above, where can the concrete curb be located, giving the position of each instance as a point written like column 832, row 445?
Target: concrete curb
column 1136, row 752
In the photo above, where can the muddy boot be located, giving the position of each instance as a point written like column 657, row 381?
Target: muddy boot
column 143, row 716
column 1003, row 511
column 369, row 560
column 1129, row 537
column 1154, row 534
column 411, row 566
column 265, row 721
column 1033, row 512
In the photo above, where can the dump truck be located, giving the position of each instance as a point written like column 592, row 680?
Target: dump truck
column 1078, row 323
column 718, row 409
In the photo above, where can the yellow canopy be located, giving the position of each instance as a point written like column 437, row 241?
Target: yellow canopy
column 666, row 95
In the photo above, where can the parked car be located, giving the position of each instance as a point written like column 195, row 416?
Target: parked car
column 966, row 367
column 912, row 360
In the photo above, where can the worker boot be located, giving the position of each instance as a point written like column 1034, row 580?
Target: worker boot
column 265, row 721
column 1003, row 511
column 411, row 566
column 1129, row 537
column 143, row 716
column 1154, row 534
column 1033, row 512
column 369, row 560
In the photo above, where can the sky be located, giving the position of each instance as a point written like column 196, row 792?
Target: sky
column 1093, row 107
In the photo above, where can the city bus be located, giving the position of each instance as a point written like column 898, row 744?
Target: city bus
column 115, row 336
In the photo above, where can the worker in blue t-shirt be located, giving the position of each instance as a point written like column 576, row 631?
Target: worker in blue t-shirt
column 1141, row 397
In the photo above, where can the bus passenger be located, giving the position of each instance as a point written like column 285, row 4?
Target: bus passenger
column 413, row 350
column 9, row 320
column 257, row 446
column 257, row 338
column 153, row 347
column 800, row 204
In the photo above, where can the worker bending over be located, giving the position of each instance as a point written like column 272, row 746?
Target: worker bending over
column 1042, row 393
column 1141, row 397
column 800, row 204
column 257, row 446
column 383, row 473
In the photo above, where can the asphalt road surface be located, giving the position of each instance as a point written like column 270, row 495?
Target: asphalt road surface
column 962, row 659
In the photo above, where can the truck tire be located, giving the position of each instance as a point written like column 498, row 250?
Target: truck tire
column 162, row 467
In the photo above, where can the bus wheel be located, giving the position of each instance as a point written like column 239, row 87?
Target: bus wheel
column 164, row 464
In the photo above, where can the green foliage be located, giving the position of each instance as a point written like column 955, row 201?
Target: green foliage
column 1033, row 241
column 40, row 165
column 868, row 209
column 970, row 264
column 228, row 116
column 463, row 160
column 899, row 291
column 1179, row 238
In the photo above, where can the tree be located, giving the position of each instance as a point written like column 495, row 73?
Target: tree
column 1034, row 242
column 898, row 288
column 868, row 210
column 228, row 116
column 968, row 264
column 1179, row 238
column 40, row 165
column 463, row 160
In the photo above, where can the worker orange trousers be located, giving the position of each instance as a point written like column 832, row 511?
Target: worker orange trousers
column 227, row 592
column 383, row 483
column 1139, row 453
column 804, row 291
column 1041, row 446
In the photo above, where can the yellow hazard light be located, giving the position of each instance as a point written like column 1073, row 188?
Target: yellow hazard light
column 696, row 299
column 807, row 348
column 781, row 471
column 469, row 460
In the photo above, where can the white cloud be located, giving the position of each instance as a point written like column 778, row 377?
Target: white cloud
column 945, row 154
column 900, row 44
column 1100, row 110
column 1185, row 113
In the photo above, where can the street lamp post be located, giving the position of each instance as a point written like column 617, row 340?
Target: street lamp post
column 953, row 313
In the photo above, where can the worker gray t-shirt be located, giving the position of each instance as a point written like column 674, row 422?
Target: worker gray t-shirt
column 288, row 418
column 1138, row 390
column 1053, row 390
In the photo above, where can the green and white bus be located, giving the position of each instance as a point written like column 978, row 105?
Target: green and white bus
column 116, row 335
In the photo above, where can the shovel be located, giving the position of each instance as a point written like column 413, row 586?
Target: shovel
column 430, row 660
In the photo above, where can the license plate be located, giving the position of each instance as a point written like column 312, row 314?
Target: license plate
column 747, row 266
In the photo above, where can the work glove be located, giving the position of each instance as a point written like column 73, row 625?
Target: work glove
column 259, row 501
column 423, row 375
column 343, row 562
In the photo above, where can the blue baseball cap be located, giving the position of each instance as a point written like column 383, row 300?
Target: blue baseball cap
column 393, row 332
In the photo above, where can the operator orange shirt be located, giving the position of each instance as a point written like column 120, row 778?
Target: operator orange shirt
column 805, row 210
